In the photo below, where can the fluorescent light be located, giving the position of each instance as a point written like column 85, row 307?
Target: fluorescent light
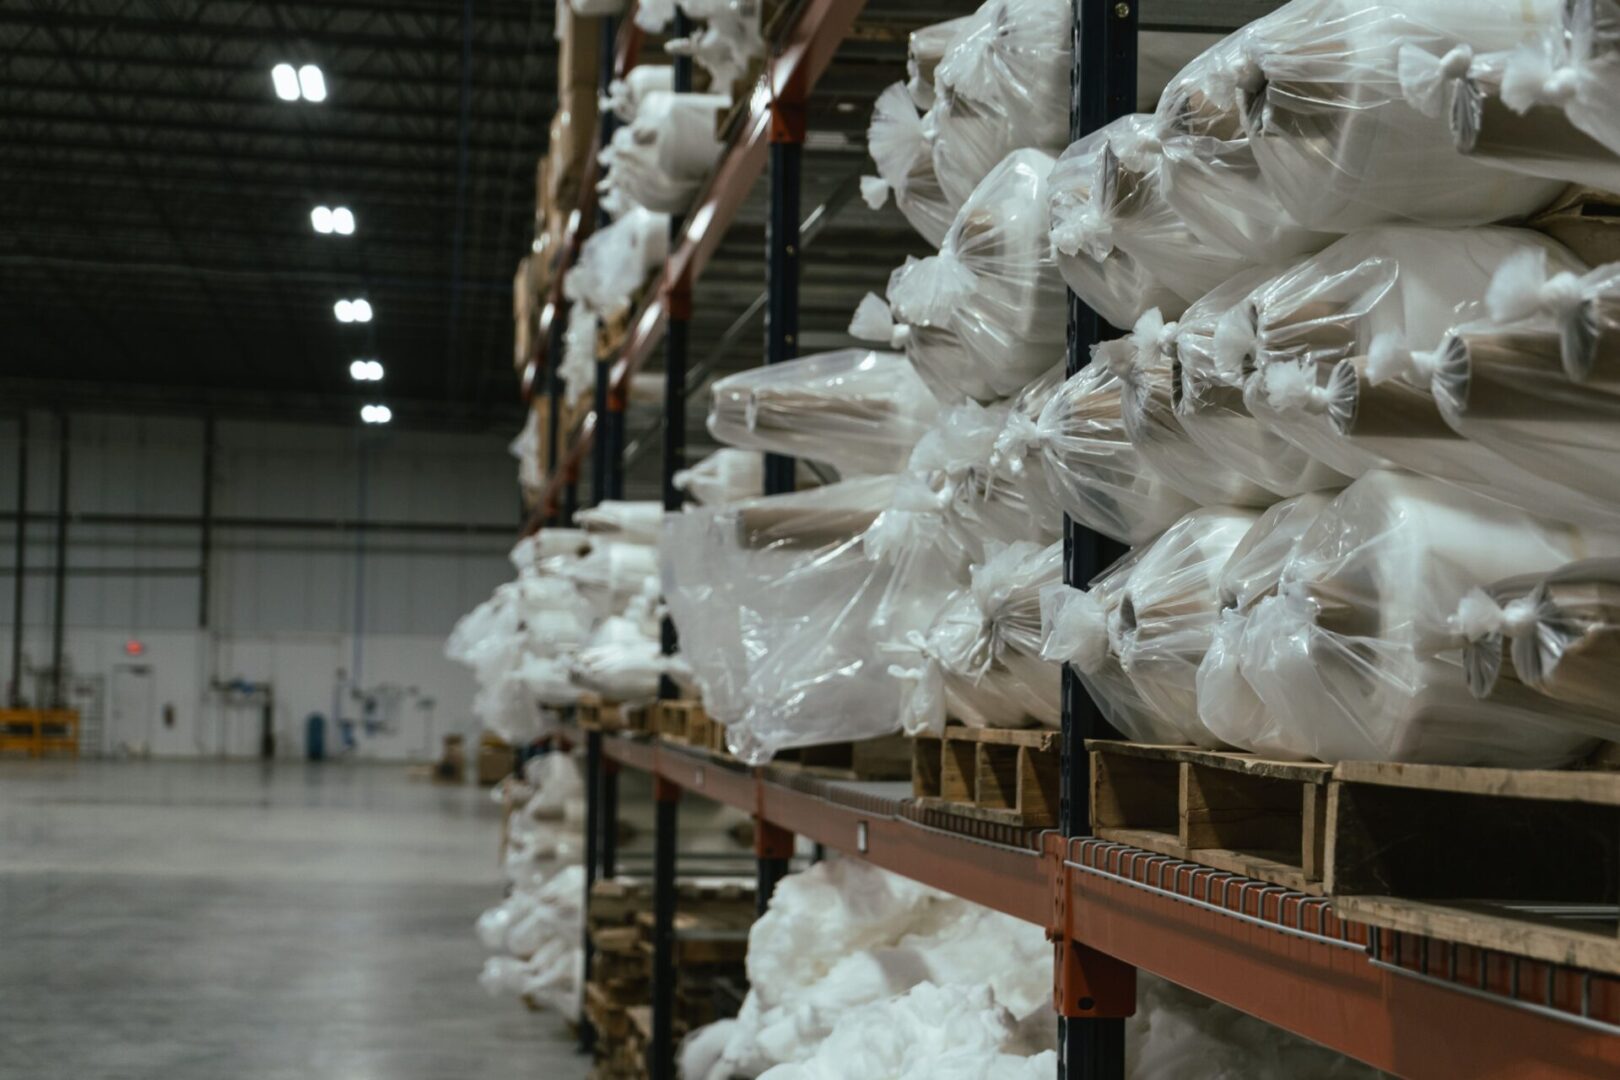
column 374, row 370
column 376, row 414
column 342, row 220
column 366, row 371
column 357, row 371
column 312, row 83
column 362, row 311
column 285, row 80
column 344, row 310
column 322, row 219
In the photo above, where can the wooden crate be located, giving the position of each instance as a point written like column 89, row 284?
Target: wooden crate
column 595, row 714
column 1009, row 776
column 1236, row 812
column 885, row 758
column 1518, row 860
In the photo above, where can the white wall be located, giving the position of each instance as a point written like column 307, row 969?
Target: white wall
column 293, row 608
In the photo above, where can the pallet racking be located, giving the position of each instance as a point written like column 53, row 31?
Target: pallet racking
column 1411, row 1005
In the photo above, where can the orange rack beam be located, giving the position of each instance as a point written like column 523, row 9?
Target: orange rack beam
column 1413, row 1007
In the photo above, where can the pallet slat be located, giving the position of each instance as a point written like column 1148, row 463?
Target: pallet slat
column 1007, row 776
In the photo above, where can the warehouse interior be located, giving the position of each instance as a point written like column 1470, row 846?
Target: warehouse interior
column 810, row 539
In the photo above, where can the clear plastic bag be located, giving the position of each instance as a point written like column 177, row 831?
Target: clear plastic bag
column 1149, row 380
column 1169, row 609
column 1227, row 704
column 1105, row 277
column 1096, row 474
column 638, row 522
column 1411, row 280
column 1002, row 85
column 1084, row 630
column 729, row 475
column 993, row 288
column 728, row 40
column 613, row 262
column 578, row 368
column 625, row 95
column 980, row 659
column 1208, row 172
column 1573, row 67
column 858, row 410
column 905, row 165
column 1333, row 133
column 1128, row 209
column 1208, row 400
column 1357, row 657
column 1568, row 650
column 661, row 159
column 925, row 48
column 1507, row 390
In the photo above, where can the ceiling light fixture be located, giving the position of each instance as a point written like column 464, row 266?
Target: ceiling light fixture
column 313, row 83
column 376, row 414
column 366, row 371
column 357, row 310
column 342, row 220
column 321, row 219
column 285, row 80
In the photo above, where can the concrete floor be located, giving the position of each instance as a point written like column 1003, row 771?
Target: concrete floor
column 197, row 921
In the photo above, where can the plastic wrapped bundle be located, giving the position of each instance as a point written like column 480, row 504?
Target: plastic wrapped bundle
column 1010, row 485
column 526, row 448
column 1531, row 136
column 1334, row 135
column 1573, row 638
column 1132, row 214
column 1573, row 67
column 1169, row 610
column 980, row 661
column 1149, row 379
column 1227, row 704
column 1002, row 85
column 578, row 369
column 1543, row 291
column 1356, row 658
column 529, row 553
column 661, row 159
column 1208, row 172
column 1208, row 400
column 993, row 286
column 1416, row 281
column 905, row 165
column 638, row 522
column 1095, row 472
column 702, row 606
column 858, row 410
column 622, row 662
column 1084, row 630
column 614, row 571
column 613, row 262
column 925, row 48
column 625, row 95
column 728, row 475
column 726, row 42
column 1103, row 275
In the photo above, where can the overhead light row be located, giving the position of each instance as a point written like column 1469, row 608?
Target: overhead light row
column 308, row 83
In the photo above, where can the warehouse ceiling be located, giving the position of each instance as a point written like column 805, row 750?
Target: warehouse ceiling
column 156, row 243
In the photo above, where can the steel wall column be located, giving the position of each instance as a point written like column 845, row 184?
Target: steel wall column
column 607, row 821
column 593, row 825
column 782, row 260
column 205, row 530
column 1102, row 87
column 59, row 624
column 661, row 1052
column 19, row 560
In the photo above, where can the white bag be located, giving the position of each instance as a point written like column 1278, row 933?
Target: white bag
column 905, row 165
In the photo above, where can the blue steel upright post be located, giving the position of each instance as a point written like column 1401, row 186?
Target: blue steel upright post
column 1093, row 990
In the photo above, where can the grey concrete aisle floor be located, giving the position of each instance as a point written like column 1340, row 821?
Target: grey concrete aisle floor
column 202, row 921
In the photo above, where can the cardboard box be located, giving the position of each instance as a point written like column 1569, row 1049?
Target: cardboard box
column 451, row 767
column 495, row 760
column 579, row 51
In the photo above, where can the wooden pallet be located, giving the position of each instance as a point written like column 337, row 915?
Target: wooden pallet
column 1003, row 775
column 887, row 757
column 595, row 714
column 685, row 721
column 1517, row 860
column 1235, row 812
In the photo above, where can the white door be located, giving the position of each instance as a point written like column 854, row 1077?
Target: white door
column 133, row 715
